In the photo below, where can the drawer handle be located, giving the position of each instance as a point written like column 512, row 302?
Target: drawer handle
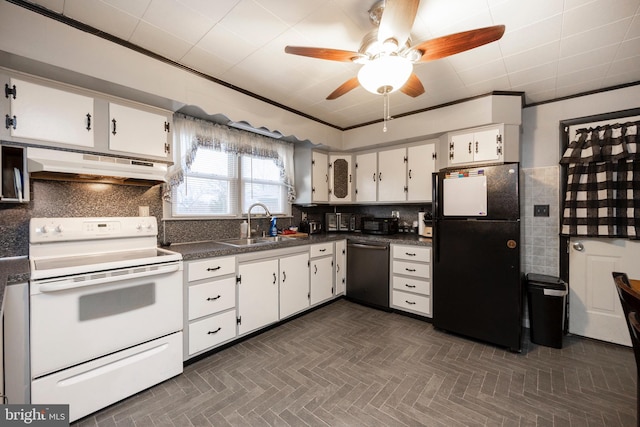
column 214, row 268
column 409, row 286
column 410, row 269
column 213, row 299
column 213, row 332
column 409, row 302
column 410, row 254
column 323, row 250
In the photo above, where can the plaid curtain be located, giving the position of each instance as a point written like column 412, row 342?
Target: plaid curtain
column 602, row 196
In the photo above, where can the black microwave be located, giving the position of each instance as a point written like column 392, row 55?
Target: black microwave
column 379, row 225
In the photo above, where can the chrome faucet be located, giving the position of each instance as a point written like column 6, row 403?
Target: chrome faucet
column 249, row 216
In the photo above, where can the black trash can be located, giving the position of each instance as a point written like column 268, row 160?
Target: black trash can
column 547, row 297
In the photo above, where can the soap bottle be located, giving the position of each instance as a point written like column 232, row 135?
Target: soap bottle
column 243, row 229
column 273, row 230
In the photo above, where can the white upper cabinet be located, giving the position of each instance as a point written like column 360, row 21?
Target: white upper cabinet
column 392, row 175
column 421, row 165
column 340, row 178
column 138, row 132
column 43, row 113
column 366, row 177
column 320, row 177
column 492, row 144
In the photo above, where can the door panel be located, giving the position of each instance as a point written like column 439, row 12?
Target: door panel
column 594, row 306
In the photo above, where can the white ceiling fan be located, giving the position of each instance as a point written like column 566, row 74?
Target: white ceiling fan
column 387, row 55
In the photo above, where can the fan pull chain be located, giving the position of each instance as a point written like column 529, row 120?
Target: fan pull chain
column 385, row 111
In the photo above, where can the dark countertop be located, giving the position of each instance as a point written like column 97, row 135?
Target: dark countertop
column 208, row 249
column 12, row 271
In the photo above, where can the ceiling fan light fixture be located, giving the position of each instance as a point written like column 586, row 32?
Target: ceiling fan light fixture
column 385, row 74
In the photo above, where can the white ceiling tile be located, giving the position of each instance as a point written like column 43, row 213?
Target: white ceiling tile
column 534, row 97
column 176, row 19
column 226, row 45
column 624, row 65
column 158, row 41
column 526, row 38
column 474, row 57
column 290, row 12
column 585, row 74
column 443, row 17
column 533, row 57
column 594, row 38
column 542, row 72
column 486, row 71
column 579, row 87
column 205, row 62
column 134, row 8
column 628, row 49
column 214, row 10
column 331, row 28
column 634, row 28
column 594, row 14
column 588, row 59
column 619, row 79
column 537, row 86
column 517, row 14
column 487, row 86
column 253, row 23
column 102, row 16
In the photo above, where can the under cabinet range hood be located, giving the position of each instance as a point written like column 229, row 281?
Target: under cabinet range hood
column 74, row 166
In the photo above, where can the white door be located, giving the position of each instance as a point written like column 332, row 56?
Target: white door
column 366, row 177
column 594, row 306
column 46, row 114
column 257, row 295
column 421, row 165
column 486, row 146
column 341, row 266
column 136, row 131
column 319, row 177
column 294, row 284
column 321, row 279
column 392, row 175
column 340, row 178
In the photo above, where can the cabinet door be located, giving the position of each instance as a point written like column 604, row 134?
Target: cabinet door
column 319, row 177
column 321, row 279
column 46, row 114
column 461, row 149
column 366, row 177
column 341, row 266
column 340, row 178
column 294, row 284
column 487, row 146
column 421, row 165
column 138, row 132
column 392, row 175
column 257, row 295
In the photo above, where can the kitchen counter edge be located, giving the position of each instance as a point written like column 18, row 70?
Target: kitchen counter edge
column 209, row 249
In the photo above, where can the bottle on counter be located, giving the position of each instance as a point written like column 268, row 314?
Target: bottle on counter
column 273, row 230
column 243, row 229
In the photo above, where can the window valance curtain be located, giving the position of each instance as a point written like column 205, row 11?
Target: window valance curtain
column 191, row 134
column 602, row 196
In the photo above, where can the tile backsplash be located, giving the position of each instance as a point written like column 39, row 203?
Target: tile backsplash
column 540, row 253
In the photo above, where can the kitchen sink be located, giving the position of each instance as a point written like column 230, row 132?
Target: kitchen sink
column 255, row 241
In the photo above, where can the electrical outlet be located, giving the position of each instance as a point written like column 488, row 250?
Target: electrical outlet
column 540, row 210
column 303, row 216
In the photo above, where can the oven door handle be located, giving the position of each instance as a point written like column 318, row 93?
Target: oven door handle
column 70, row 284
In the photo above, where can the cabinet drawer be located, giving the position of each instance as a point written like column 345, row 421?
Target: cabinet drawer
column 412, row 285
column 411, row 302
column 321, row 249
column 209, row 298
column 211, row 331
column 413, row 253
column 212, row 267
column 411, row 269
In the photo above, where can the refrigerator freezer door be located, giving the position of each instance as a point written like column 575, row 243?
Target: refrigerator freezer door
column 477, row 288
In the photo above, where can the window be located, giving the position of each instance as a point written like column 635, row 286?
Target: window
column 226, row 184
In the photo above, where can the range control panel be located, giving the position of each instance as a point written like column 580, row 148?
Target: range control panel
column 71, row 229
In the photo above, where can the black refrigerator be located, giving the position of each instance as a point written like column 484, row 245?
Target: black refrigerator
column 477, row 284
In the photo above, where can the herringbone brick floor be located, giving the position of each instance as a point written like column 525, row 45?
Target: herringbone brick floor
column 349, row 365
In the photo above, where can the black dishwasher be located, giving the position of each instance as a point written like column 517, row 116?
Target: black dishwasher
column 368, row 274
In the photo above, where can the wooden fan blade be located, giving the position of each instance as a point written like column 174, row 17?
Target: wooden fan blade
column 324, row 53
column 344, row 88
column 397, row 20
column 413, row 87
column 458, row 42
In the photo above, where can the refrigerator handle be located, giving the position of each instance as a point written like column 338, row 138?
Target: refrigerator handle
column 435, row 207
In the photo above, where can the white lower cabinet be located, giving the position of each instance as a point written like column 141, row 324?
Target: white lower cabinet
column 341, row 267
column 294, row 284
column 411, row 279
column 257, row 295
column 211, row 304
column 322, row 273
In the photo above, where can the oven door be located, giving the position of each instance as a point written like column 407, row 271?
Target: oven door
column 79, row 318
